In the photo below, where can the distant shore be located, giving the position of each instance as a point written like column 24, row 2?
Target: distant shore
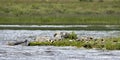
column 59, row 12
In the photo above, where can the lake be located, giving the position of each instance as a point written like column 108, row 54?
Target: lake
column 19, row 52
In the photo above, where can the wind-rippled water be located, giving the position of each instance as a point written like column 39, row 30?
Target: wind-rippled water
column 51, row 52
column 55, row 53
column 31, row 34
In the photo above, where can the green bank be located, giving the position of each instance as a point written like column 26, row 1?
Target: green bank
column 60, row 12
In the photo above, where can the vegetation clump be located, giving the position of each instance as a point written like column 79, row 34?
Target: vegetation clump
column 87, row 45
column 108, row 44
column 72, row 35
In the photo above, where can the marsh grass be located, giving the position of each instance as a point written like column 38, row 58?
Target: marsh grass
column 57, row 43
column 109, row 44
column 63, row 20
column 59, row 12
column 113, row 44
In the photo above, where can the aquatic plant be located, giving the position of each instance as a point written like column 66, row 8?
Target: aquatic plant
column 72, row 35
column 99, row 44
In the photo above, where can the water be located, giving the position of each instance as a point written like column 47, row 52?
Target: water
column 19, row 52
column 9, row 35
column 55, row 53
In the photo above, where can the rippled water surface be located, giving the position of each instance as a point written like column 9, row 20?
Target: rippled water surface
column 55, row 53
column 50, row 52
column 31, row 34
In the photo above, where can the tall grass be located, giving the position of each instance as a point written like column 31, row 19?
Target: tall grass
column 59, row 12
column 83, row 19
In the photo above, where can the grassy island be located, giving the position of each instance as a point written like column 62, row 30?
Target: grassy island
column 109, row 44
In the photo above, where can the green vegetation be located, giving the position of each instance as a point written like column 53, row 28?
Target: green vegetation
column 95, row 27
column 109, row 44
column 113, row 44
column 57, row 43
column 60, row 12
column 72, row 35
column 87, row 19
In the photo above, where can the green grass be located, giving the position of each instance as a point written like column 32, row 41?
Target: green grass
column 59, row 12
column 113, row 44
column 82, row 19
column 109, row 44
column 57, row 43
